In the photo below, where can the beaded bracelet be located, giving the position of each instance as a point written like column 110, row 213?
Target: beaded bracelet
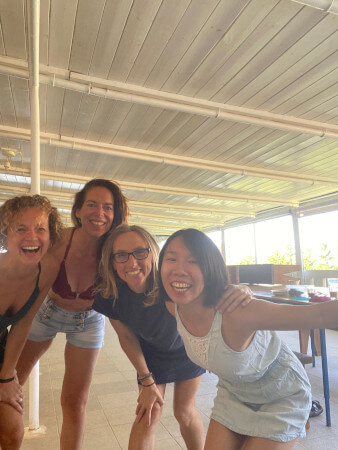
column 145, row 377
column 7, row 380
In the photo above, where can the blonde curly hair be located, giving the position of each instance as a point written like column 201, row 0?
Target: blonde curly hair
column 13, row 206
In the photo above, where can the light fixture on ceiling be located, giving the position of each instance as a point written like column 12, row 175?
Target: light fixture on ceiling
column 9, row 153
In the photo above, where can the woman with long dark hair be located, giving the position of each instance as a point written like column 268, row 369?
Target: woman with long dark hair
column 98, row 208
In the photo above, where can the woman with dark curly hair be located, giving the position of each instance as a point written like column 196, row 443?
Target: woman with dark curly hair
column 28, row 226
column 99, row 207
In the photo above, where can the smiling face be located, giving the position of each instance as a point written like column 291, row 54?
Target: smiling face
column 133, row 272
column 97, row 212
column 28, row 236
column 181, row 276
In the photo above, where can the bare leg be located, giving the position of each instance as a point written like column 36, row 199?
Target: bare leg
column 141, row 436
column 31, row 353
column 220, row 437
column 190, row 421
column 255, row 443
column 11, row 427
column 79, row 367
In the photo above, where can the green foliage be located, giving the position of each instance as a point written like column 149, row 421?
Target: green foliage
column 308, row 262
column 278, row 258
column 326, row 260
column 247, row 260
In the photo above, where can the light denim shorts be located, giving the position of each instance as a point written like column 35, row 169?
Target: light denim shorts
column 83, row 329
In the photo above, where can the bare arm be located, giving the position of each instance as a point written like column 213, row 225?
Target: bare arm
column 273, row 316
column 17, row 337
column 238, row 328
column 131, row 346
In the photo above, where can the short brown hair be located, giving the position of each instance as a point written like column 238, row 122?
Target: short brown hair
column 13, row 206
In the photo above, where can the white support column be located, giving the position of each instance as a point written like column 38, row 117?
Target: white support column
column 255, row 243
column 223, row 245
column 298, row 251
column 33, row 15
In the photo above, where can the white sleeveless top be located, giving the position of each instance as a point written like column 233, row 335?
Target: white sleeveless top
column 263, row 391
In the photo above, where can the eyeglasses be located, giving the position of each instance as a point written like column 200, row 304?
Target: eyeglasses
column 122, row 257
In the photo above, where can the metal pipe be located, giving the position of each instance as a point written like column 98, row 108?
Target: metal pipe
column 219, row 194
column 141, row 95
column 329, row 6
column 33, row 12
column 56, row 140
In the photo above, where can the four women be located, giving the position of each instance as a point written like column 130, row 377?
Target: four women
column 263, row 398
column 28, row 227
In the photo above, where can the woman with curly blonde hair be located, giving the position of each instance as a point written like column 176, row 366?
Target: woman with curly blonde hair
column 29, row 225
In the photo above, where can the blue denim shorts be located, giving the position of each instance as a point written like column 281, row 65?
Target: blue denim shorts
column 83, row 329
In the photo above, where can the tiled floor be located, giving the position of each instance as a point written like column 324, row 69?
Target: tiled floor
column 111, row 406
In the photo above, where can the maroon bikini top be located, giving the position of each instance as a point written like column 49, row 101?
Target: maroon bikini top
column 61, row 285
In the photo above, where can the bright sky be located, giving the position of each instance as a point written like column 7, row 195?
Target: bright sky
column 276, row 235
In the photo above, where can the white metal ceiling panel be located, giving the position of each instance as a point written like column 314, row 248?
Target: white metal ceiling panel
column 188, row 103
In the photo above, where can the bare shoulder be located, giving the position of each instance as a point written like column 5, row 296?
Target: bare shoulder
column 50, row 265
column 242, row 317
column 58, row 249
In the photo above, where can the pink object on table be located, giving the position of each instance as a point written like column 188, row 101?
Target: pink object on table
column 319, row 298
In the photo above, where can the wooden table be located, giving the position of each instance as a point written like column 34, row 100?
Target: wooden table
column 286, row 301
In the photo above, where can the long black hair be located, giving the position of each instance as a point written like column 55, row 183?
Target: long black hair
column 208, row 258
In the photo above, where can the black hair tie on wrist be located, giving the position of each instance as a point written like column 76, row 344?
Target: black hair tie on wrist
column 7, row 380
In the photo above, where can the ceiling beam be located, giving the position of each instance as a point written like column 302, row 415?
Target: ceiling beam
column 172, row 190
column 139, row 94
column 171, row 207
column 56, row 140
column 178, row 219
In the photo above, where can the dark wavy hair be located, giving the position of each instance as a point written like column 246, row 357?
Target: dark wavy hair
column 209, row 260
column 13, row 206
column 121, row 211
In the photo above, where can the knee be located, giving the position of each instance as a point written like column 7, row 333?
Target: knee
column 185, row 416
column 156, row 413
column 11, row 436
column 74, row 404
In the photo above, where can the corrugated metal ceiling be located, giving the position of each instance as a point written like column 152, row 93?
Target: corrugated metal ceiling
column 203, row 111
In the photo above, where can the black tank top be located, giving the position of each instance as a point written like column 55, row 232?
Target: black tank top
column 6, row 321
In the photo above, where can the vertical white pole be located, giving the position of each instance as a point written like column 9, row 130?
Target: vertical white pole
column 296, row 235
column 33, row 14
column 223, row 244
